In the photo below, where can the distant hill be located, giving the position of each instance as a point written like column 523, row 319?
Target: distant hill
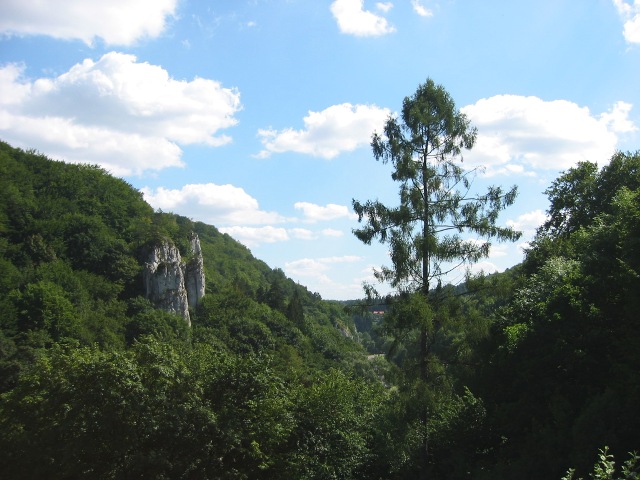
column 80, row 213
column 72, row 243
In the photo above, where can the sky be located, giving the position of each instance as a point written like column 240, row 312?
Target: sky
column 256, row 116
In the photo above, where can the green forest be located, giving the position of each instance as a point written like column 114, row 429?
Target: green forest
column 533, row 373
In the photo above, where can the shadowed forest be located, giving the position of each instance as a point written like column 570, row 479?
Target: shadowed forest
column 524, row 374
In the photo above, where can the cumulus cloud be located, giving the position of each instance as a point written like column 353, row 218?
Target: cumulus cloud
column 326, row 134
column 122, row 114
column 519, row 134
column 332, row 232
column 527, row 223
column 219, row 205
column 630, row 14
column 498, row 250
column 384, row 6
column 254, row 236
column 353, row 19
column 317, row 268
column 617, row 120
column 486, row 267
column 315, row 213
column 245, row 210
column 302, row 234
column 235, row 212
column 421, row 9
column 321, row 274
column 117, row 22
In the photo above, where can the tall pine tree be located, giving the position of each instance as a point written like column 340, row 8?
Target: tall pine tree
column 428, row 233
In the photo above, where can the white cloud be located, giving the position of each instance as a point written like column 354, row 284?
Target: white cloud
column 124, row 115
column 308, row 268
column 235, row 212
column 498, row 250
column 253, row 236
column 317, row 268
column 117, row 22
column 219, row 205
column 331, row 232
column 485, row 267
column 524, row 246
column 13, row 92
column 315, row 213
column 527, row 223
column 630, row 14
column 302, row 234
column 421, row 9
column 328, row 133
column 519, row 134
column 618, row 118
column 353, row 19
column 384, row 6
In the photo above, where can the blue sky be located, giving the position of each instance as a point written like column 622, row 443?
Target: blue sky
column 256, row 115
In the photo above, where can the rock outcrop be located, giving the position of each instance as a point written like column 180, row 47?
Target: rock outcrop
column 169, row 283
column 194, row 273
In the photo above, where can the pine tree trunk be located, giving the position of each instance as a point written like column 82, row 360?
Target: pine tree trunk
column 424, row 411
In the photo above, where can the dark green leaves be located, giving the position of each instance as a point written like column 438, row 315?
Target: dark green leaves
column 425, row 231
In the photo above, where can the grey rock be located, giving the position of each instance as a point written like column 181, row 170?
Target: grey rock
column 170, row 283
column 194, row 273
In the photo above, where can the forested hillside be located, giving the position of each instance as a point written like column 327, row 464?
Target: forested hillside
column 531, row 371
column 96, row 382
column 560, row 374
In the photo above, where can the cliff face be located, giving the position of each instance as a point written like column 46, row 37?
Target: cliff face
column 171, row 284
column 194, row 273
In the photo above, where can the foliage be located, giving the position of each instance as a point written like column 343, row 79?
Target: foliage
column 335, row 425
column 425, row 233
column 166, row 410
column 577, row 310
column 605, row 469
column 522, row 373
column 96, row 382
column 154, row 410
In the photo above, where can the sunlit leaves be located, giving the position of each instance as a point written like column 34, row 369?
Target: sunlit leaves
column 436, row 208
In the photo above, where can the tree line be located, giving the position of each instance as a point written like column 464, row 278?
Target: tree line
column 531, row 373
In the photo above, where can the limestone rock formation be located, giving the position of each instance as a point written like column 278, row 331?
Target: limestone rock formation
column 171, row 284
column 194, row 273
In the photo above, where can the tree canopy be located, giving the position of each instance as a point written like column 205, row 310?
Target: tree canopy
column 424, row 232
column 428, row 232
column 530, row 373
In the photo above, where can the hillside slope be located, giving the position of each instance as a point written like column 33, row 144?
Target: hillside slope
column 72, row 243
